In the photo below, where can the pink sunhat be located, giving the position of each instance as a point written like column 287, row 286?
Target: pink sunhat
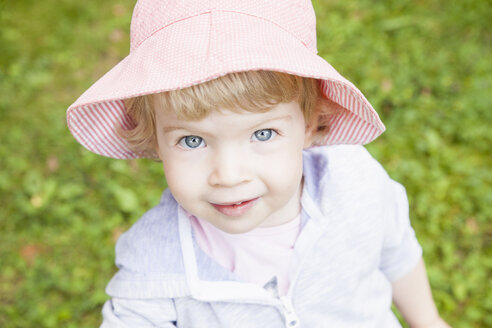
column 177, row 44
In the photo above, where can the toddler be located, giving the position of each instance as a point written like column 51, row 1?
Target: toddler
column 275, row 215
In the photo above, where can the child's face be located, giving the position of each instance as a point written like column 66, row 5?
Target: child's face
column 237, row 170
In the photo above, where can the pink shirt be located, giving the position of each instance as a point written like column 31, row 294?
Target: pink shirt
column 255, row 256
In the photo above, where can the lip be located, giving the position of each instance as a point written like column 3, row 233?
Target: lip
column 235, row 208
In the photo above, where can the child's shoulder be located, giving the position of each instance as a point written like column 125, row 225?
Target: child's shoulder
column 152, row 243
column 163, row 215
column 345, row 174
column 350, row 163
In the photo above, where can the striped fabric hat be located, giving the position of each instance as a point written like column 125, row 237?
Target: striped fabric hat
column 177, row 44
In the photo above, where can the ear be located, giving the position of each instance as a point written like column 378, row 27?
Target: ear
column 159, row 155
column 156, row 148
column 309, row 136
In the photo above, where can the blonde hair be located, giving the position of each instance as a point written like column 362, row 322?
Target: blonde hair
column 254, row 91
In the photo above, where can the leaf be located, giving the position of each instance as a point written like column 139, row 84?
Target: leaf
column 125, row 198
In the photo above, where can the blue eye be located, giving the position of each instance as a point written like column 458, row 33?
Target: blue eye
column 264, row 135
column 191, row 142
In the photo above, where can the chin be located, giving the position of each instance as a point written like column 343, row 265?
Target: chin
column 237, row 229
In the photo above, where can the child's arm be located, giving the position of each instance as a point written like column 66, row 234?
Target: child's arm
column 413, row 298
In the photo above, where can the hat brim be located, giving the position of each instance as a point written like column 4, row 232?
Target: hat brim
column 195, row 50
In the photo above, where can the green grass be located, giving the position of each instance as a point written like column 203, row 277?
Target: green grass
column 424, row 65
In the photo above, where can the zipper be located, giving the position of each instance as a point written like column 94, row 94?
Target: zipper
column 291, row 319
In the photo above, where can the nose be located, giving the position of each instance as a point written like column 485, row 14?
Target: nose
column 229, row 169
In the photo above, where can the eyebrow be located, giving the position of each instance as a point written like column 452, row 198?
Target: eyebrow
column 173, row 128
column 265, row 122
column 168, row 129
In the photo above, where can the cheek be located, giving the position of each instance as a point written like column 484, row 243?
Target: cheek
column 180, row 179
column 285, row 172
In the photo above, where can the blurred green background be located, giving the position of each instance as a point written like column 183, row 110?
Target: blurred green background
column 424, row 65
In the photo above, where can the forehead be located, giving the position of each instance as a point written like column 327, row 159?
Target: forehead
column 235, row 116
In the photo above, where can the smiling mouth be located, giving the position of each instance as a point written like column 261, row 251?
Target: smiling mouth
column 235, row 209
